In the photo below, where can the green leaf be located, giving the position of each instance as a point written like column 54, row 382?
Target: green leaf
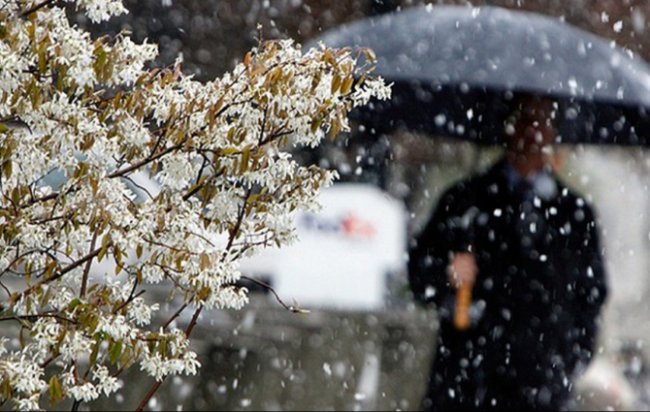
column 243, row 165
column 114, row 352
column 5, row 389
column 73, row 304
column 95, row 352
column 106, row 240
column 42, row 59
column 162, row 348
column 56, row 393
column 7, row 169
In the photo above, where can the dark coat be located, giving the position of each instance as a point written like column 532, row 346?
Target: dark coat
column 538, row 294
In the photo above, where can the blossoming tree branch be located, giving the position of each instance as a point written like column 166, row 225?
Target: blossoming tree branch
column 92, row 110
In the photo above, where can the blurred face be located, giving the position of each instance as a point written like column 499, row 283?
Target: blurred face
column 530, row 146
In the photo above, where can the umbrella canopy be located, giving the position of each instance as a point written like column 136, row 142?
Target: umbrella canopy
column 456, row 68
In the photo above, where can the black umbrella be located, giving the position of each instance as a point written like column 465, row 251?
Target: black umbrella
column 456, row 68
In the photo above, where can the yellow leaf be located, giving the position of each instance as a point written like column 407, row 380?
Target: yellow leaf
column 347, row 85
column 94, row 185
column 329, row 57
column 335, row 129
column 243, row 166
column 105, row 243
column 42, row 60
column 315, row 124
column 204, row 261
column 336, row 83
column 56, row 394
column 138, row 251
column 7, row 168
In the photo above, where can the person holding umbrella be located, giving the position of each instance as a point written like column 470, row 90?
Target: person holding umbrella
column 511, row 259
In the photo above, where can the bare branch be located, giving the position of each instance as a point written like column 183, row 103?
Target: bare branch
column 144, row 189
column 40, row 315
column 37, row 7
column 144, row 162
column 84, row 279
column 238, row 224
column 290, row 308
column 62, row 273
column 175, row 315
column 131, row 298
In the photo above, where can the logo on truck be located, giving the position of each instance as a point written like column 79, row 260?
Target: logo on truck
column 348, row 225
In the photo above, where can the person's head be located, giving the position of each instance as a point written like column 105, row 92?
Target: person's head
column 530, row 134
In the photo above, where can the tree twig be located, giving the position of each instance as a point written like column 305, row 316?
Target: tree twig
column 130, row 299
column 62, row 273
column 37, row 7
column 84, row 279
column 137, row 165
column 41, row 315
column 290, row 308
column 144, row 189
column 240, row 219
column 174, row 316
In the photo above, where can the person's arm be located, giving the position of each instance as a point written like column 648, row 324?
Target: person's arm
column 436, row 259
column 591, row 292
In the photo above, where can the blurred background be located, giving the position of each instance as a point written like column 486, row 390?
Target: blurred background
column 366, row 345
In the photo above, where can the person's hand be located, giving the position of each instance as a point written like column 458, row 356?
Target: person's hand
column 462, row 269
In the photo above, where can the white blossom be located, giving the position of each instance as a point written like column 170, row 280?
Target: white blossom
column 105, row 382
column 85, row 392
column 116, row 327
column 141, row 312
column 29, row 403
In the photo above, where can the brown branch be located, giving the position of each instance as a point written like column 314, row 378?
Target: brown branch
column 51, row 196
column 150, row 394
column 195, row 318
column 37, row 7
column 40, row 315
column 129, row 300
column 290, row 308
column 50, row 219
column 208, row 179
column 238, row 224
column 173, row 248
column 263, row 126
column 144, row 189
column 6, row 289
column 175, row 315
column 84, row 279
column 49, row 360
column 200, row 236
column 194, row 191
column 144, row 162
column 275, row 136
column 62, row 273
column 17, row 258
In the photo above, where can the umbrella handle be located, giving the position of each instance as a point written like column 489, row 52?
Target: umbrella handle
column 463, row 303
